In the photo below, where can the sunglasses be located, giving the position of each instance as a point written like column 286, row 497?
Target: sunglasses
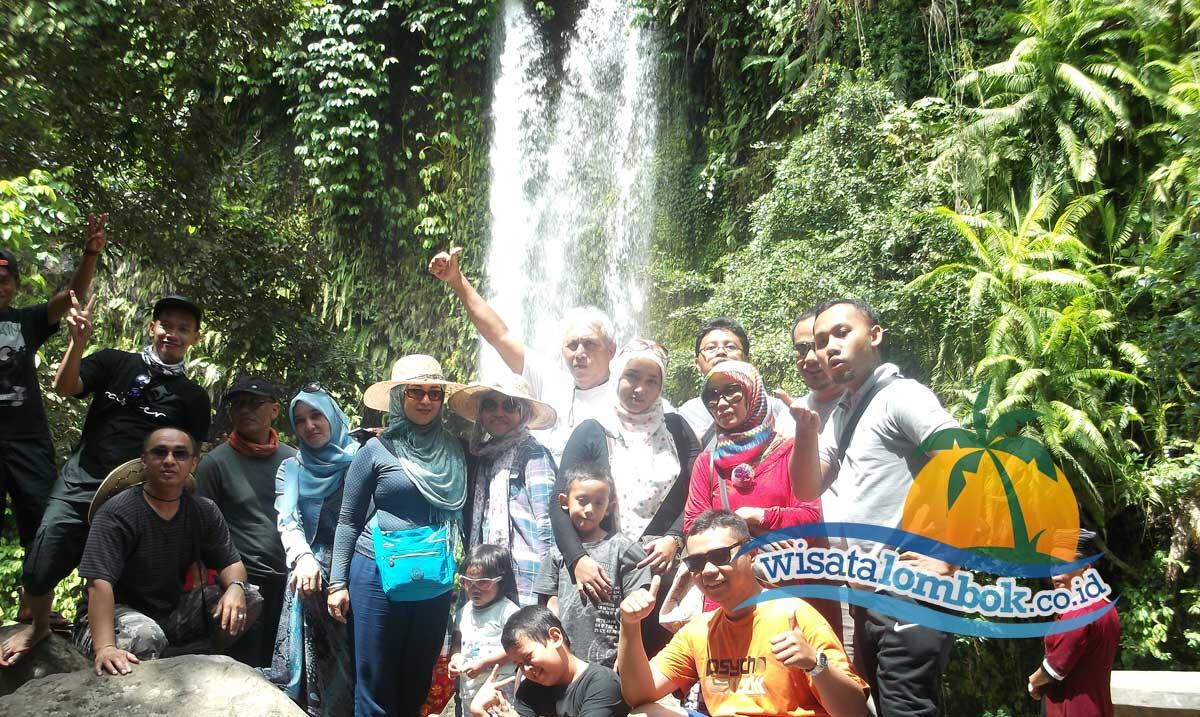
column 719, row 557
column 161, row 453
column 481, row 582
column 647, row 345
column 731, row 394
column 803, row 347
column 490, row 404
column 254, row 402
column 417, row 394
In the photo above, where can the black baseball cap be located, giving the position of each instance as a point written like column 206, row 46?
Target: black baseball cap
column 8, row 260
column 175, row 301
column 253, row 385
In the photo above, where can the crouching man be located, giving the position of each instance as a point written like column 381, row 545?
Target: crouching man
column 778, row 657
column 142, row 543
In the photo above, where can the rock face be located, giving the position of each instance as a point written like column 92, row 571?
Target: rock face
column 192, row 685
column 52, row 656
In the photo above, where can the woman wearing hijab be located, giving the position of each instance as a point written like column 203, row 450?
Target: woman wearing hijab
column 511, row 481
column 390, row 568
column 649, row 454
column 747, row 470
column 312, row 661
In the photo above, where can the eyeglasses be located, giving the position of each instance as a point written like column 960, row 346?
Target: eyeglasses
column 803, row 347
column 481, row 582
column 417, row 394
column 313, row 387
column 714, row 349
column 719, row 557
column 160, row 453
column 490, row 404
column 732, row 394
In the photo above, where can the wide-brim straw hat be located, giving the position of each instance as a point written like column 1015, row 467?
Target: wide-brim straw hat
column 466, row 401
column 126, row 475
column 414, row 368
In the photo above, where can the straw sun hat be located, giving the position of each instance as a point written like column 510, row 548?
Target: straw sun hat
column 414, row 368
column 126, row 475
column 466, row 401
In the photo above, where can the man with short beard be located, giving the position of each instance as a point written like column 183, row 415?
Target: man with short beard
column 863, row 473
column 239, row 476
column 143, row 539
column 132, row 394
column 577, row 385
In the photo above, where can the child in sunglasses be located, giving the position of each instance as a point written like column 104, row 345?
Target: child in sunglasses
column 592, row 627
column 490, row 584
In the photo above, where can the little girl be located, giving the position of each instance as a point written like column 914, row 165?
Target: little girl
column 489, row 581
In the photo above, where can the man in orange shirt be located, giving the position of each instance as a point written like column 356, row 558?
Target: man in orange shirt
column 778, row 657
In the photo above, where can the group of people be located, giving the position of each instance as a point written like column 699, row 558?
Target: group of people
column 594, row 533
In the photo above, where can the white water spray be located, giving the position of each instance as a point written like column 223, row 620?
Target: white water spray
column 571, row 200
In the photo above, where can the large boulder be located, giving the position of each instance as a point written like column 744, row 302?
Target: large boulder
column 52, row 656
column 191, row 685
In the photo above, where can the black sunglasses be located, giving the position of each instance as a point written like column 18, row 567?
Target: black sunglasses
column 490, row 404
column 717, row 556
column 803, row 347
column 161, row 453
column 313, row 387
column 732, row 394
column 416, row 394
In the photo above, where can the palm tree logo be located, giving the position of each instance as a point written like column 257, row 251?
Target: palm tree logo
column 996, row 442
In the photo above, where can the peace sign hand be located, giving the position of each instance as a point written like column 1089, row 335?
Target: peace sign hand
column 97, row 235
column 79, row 319
column 490, row 701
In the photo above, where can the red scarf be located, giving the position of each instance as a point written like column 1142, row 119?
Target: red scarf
column 254, row 450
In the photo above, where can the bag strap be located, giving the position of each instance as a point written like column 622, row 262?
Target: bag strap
column 712, row 475
column 848, row 432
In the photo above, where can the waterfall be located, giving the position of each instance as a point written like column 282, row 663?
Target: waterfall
column 570, row 156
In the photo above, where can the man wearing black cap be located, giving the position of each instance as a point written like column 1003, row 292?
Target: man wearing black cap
column 132, row 395
column 26, row 453
column 239, row 476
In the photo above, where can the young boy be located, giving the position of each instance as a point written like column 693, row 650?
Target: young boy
column 556, row 681
column 592, row 627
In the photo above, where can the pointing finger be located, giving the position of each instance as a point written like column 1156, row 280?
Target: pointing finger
column 655, row 583
column 91, row 302
column 505, row 682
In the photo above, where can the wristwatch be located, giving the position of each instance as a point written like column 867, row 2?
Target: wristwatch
column 819, row 667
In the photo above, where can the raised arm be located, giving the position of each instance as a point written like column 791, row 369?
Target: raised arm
column 67, row 381
column 489, row 324
column 640, row 682
column 806, row 470
column 81, row 281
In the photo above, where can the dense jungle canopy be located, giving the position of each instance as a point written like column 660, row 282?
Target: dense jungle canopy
column 1016, row 185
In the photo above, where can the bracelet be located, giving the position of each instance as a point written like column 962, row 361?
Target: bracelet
column 241, row 584
column 822, row 661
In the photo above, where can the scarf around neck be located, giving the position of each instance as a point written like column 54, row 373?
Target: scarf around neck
column 643, row 457
column 248, row 448
column 316, row 473
column 497, row 468
column 157, row 366
column 745, row 443
column 431, row 457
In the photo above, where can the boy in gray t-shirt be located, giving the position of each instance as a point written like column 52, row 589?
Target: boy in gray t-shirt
column 592, row 627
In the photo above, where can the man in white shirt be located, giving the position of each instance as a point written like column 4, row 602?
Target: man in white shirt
column 718, row 340
column 576, row 386
column 868, row 484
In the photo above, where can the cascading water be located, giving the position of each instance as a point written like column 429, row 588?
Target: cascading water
column 571, row 200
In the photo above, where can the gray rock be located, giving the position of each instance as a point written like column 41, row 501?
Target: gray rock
column 191, row 685
column 52, row 656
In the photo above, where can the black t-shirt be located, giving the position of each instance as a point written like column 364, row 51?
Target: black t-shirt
column 595, row 693
column 243, row 487
column 22, row 333
column 128, row 403
column 145, row 557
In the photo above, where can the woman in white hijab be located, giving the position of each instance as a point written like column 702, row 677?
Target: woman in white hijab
column 649, row 454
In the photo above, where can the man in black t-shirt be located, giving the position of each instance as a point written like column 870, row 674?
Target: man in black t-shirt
column 132, row 395
column 556, row 682
column 142, row 542
column 26, row 453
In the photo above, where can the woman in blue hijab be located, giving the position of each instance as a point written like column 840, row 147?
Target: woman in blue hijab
column 312, row 661
column 392, row 572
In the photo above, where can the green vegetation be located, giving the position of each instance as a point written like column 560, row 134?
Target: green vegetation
column 1016, row 186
